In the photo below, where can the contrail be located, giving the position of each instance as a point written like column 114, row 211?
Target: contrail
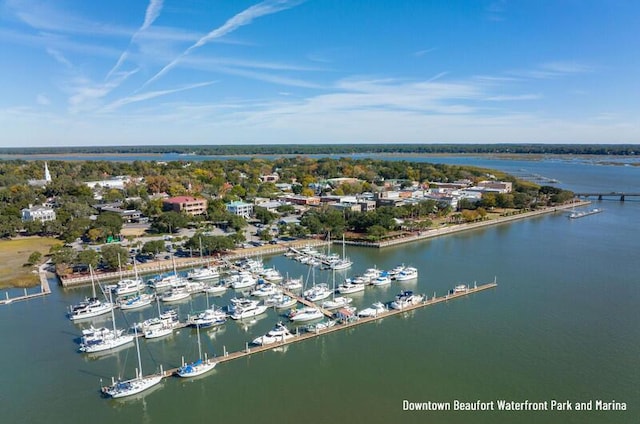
column 153, row 11
column 243, row 18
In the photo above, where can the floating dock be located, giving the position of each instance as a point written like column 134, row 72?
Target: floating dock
column 249, row 350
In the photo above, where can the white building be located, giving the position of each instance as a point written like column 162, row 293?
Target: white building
column 240, row 209
column 38, row 213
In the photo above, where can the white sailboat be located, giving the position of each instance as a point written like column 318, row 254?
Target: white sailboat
column 199, row 367
column 91, row 306
column 108, row 343
column 336, row 302
column 342, row 263
column 140, row 383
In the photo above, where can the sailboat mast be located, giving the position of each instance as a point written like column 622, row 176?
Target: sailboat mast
column 199, row 346
column 135, row 332
column 113, row 316
column 93, row 282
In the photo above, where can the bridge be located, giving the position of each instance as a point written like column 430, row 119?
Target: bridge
column 600, row 196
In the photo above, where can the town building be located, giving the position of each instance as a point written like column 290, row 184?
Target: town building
column 242, row 209
column 496, row 186
column 38, row 213
column 186, row 204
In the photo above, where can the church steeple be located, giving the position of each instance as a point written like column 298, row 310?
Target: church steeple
column 47, row 174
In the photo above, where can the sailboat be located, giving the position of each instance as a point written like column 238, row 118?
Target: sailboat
column 140, row 383
column 203, row 273
column 198, row 367
column 160, row 326
column 343, row 263
column 336, row 302
column 91, row 306
column 116, row 339
column 128, row 285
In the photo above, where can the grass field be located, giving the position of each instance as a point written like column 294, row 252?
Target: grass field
column 15, row 253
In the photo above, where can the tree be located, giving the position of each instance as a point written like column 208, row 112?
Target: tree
column 88, row 257
column 113, row 255
column 376, row 232
column 170, row 222
column 265, row 216
column 34, row 258
column 153, row 246
column 109, row 222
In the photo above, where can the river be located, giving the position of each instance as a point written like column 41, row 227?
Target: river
column 563, row 324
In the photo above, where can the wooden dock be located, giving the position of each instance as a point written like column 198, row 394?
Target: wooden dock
column 249, row 350
column 44, row 289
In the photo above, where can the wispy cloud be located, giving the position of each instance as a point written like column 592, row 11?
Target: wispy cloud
column 59, row 57
column 241, row 19
column 151, row 95
column 43, row 100
column 86, row 94
column 551, row 70
column 153, row 11
column 421, row 53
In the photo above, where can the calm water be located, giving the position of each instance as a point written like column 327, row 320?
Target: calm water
column 563, row 324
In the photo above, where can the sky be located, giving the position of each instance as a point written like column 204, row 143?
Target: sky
column 157, row 72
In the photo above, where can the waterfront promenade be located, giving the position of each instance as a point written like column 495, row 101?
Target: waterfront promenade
column 456, row 228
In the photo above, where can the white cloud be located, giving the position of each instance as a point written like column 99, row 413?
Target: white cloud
column 42, row 100
column 151, row 95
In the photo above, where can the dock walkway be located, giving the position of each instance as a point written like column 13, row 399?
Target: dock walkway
column 230, row 356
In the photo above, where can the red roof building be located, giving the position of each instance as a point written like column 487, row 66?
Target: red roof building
column 187, row 204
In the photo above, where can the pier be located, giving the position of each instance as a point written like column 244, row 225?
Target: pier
column 249, row 350
column 44, row 289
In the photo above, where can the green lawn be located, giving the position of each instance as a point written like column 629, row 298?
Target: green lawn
column 15, row 253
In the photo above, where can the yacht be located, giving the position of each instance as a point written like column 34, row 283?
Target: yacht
column 305, row 314
column 176, row 294
column 312, row 328
column 128, row 286
column 461, row 288
column 283, row 301
column 265, row 289
column 318, row 292
column 272, row 275
column 160, row 326
column 371, row 274
column 216, row 289
column 375, row 310
column 206, row 273
column 406, row 299
column 246, row 308
column 140, row 383
column 382, row 280
column 292, row 283
column 393, row 273
column 207, row 318
column 336, row 303
column 243, row 280
column 278, row 334
column 135, row 302
column 407, row 274
column 351, row 285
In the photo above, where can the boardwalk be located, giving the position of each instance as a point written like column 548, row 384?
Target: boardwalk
column 44, row 288
column 230, row 356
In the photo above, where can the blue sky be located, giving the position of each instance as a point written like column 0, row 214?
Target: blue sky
column 125, row 72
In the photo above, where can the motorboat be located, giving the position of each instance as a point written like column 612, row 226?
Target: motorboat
column 375, row 310
column 405, row 299
column 319, row 326
column 278, row 334
column 318, row 292
column 461, row 288
column 245, row 308
column 165, row 282
column 382, row 280
column 207, row 318
column 201, row 274
column 176, row 294
column 265, row 289
column 393, row 273
column 351, row 286
column 305, row 314
column 371, row 274
column 103, row 344
column 128, row 286
column 292, row 283
column 216, row 289
column 336, row 303
column 407, row 274
column 271, row 274
column 243, row 280
column 139, row 301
